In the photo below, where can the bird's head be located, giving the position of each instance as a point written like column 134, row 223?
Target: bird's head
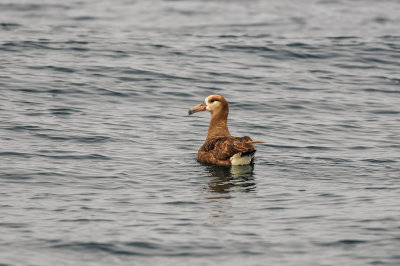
column 213, row 103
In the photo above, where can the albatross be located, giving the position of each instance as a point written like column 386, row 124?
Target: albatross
column 220, row 147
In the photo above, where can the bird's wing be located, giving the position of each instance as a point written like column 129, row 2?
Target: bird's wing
column 225, row 147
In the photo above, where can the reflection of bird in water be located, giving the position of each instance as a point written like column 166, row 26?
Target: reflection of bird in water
column 224, row 181
column 235, row 178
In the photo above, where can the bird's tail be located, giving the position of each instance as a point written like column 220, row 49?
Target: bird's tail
column 256, row 142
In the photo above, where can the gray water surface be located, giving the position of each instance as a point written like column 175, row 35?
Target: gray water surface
column 98, row 156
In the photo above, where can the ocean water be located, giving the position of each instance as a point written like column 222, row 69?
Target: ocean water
column 98, row 155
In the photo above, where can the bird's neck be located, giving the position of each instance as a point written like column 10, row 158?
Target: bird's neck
column 218, row 125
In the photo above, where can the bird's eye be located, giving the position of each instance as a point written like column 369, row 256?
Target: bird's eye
column 211, row 101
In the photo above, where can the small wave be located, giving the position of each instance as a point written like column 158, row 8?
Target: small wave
column 178, row 94
column 227, row 36
column 29, row 44
column 275, row 208
column 52, row 137
column 132, row 248
column 390, row 81
column 9, row 26
column 298, row 89
column 16, row 176
column 93, row 139
column 329, row 195
column 64, row 111
column 139, row 248
column 31, row 7
column 84, row 18
column 353, row 66
column 62, row 157
column 336, row 160
column 14, row 225
column 360, row 148
column 381, row 20
column 85, row 220
column 45, row 45
column 55, row 68
column 318, row 148
column 24, row 128
column 247, row 48
column 76, row 42
column 377, row 188
column 343, row 242
column 95, row 246
column 179, row 202
column 54, row 90
column 77, row 157
column 298, row 44
column 16, row 154
column 295, row 107
column 379, row 160
column 109, row 92
column 154, row 74
column 283, row 146
column 343, row 38
column 303, row 55
column 376, row 229
column 385, row 112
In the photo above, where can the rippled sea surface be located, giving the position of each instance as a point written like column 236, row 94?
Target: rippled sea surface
column 98, row 155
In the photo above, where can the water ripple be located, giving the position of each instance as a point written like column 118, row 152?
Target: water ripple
column 98, row 156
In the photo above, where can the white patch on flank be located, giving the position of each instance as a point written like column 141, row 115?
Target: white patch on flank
column 238, row 159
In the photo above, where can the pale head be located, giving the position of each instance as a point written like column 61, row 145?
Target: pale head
column 213, row 103
column 216, row 103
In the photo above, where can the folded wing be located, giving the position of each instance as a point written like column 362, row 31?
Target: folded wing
column 220, row 150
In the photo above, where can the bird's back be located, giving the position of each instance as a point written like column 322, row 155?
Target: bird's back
column 227, row 150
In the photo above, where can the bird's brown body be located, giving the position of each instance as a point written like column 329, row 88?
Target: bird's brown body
column 220, row 150
column 220, row 147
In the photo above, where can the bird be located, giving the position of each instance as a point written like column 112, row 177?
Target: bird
column 220, row 147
